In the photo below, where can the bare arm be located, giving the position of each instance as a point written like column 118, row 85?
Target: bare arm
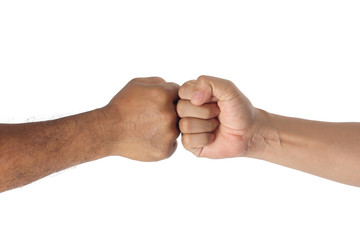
column 329, row 150
column 139, row 123
column 234, row 128
column 32, row 151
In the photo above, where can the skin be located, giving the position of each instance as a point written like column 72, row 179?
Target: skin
column 139, row 123
column 218, row 121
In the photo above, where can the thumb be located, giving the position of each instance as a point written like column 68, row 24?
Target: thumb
column 209, row 89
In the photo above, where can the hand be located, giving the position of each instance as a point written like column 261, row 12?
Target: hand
column 217, row 120
column 141, row 121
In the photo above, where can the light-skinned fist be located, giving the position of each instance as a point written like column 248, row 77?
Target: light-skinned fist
column 217, row 120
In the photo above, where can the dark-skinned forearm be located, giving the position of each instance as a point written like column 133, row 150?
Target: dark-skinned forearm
column 31, row 151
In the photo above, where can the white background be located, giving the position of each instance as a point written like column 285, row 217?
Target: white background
column 296, row 58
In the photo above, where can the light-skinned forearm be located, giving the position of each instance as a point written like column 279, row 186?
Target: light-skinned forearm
column 329, row 150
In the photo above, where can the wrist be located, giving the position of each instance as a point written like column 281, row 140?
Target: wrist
column 101, row 127
column 263, row 135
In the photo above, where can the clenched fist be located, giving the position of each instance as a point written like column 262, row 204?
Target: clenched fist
column 216, row 118
column 140, row 122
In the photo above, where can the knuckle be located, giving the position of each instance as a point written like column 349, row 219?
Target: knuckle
column 180, row 108
column 186, row 140
column 172, row 86
column 159, row 94
column 188, row 84
column 181, row 91
column 184, row 125
column 134, row 80
column 227, row 82
column 203, row 139
column 230, row 85
column 157, row 78
column 186, row 89
column 202, row 78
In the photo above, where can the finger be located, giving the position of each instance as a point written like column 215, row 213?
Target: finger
column 149, row 80
column 195, row 125
column 187, row 90
column 207, row 111
column 197, row 140
column 207, row 88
